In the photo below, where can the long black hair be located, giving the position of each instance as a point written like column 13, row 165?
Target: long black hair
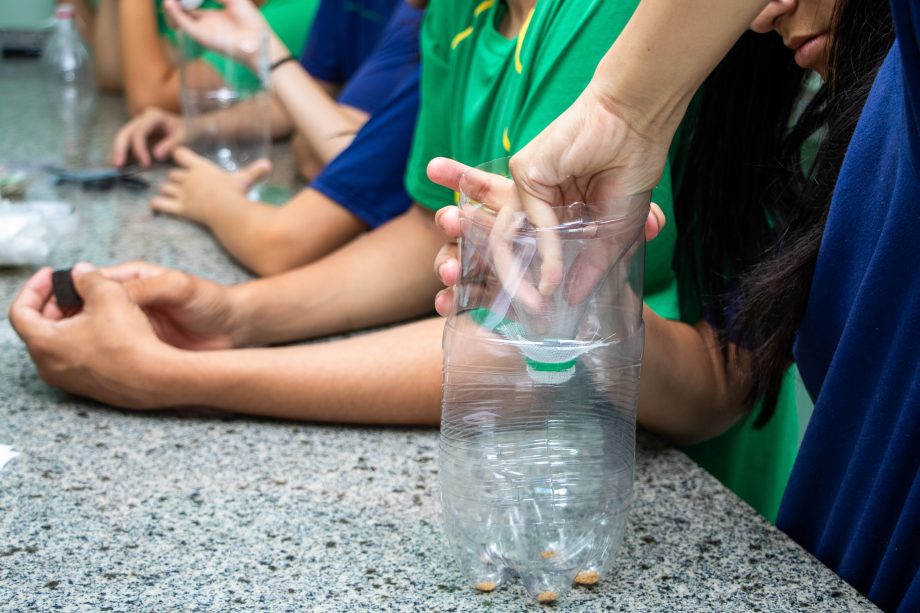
column 751, row 211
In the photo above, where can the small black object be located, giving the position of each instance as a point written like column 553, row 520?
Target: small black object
column 284, row 60
column 65, row 292
column 100, row 179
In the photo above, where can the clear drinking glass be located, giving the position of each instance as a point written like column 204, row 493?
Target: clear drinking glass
column 226, row 100
column 537, row 446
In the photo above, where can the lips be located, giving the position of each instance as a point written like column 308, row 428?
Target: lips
column 808, row 49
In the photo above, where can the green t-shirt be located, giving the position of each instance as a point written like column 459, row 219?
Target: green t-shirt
column 484, row 96
column 290, row 20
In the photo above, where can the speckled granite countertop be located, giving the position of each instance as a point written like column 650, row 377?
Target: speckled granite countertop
column 106, row 509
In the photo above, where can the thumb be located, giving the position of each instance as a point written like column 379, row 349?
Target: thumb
column 254, row 173
column 94, row 287
column 168, row 289
column 655, row 222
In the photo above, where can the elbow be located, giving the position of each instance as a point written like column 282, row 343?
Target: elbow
column 688, row 425
column 145, row 97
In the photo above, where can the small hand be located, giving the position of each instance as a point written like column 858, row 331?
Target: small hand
column 152, row 135
column 232, row 31
column 185, row 311
column 107, row 351
column 198, row 185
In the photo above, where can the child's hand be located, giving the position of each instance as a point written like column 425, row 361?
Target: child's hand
column 198, row 187
column 152, row 135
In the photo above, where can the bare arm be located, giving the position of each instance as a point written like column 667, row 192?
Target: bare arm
column 325, row 126
column 269, row 239
column 650, row 78
column 266, row 239
column 150, row 78
column 379, row 278
column 389, row 377
column 686, row 393
column 107, row 46
column 110, row 352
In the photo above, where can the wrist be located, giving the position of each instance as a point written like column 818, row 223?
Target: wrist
column 240, row 314
column 163, row 378
column 276, row 49
column 648, row 106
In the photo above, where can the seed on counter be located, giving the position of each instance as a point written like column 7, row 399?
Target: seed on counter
column 486, row 586
column 547, row 597
column 587, row 577
column 549, row 553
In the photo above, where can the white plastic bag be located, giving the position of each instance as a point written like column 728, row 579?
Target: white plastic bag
column 30, row 231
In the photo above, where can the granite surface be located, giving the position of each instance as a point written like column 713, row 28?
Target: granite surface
column 106, row 509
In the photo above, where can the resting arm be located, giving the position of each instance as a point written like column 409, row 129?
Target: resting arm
column 391, row 377
column 686, row 394
column 150, row 78
column 379, row 278
column 269, row 239
column 107, row 46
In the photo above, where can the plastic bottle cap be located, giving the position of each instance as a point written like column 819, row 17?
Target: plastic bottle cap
column 548, row 373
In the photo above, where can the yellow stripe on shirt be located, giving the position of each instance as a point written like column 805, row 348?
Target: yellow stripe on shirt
column 520, row 43
column 459, row 37
column 485, row 5
column 506, row 142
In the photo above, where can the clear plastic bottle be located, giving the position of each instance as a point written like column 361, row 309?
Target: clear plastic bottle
column 537, row 446
column 71, row 85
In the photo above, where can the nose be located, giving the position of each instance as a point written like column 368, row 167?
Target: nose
column 770, row 15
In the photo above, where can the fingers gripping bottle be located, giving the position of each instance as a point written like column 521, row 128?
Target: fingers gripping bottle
column 537, row 446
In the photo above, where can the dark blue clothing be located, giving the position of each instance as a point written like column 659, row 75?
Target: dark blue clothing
column 395, row 58
column 367, row 178
column 343, row 35
column 854, row 496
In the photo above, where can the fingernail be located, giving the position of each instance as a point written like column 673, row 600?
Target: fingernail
column 82, row 268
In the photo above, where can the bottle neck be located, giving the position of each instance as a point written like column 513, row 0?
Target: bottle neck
column 65, row 24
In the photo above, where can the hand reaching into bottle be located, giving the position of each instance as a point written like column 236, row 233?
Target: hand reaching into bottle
column 592, row 153
column 483, row 187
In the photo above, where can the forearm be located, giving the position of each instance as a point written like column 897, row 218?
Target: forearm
column 107, row 46
column 150, row 79
column 379, row 278
column 327, row 126
column 389, row 377
column 662, row 57
column 686, row 394
column 270, row 240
